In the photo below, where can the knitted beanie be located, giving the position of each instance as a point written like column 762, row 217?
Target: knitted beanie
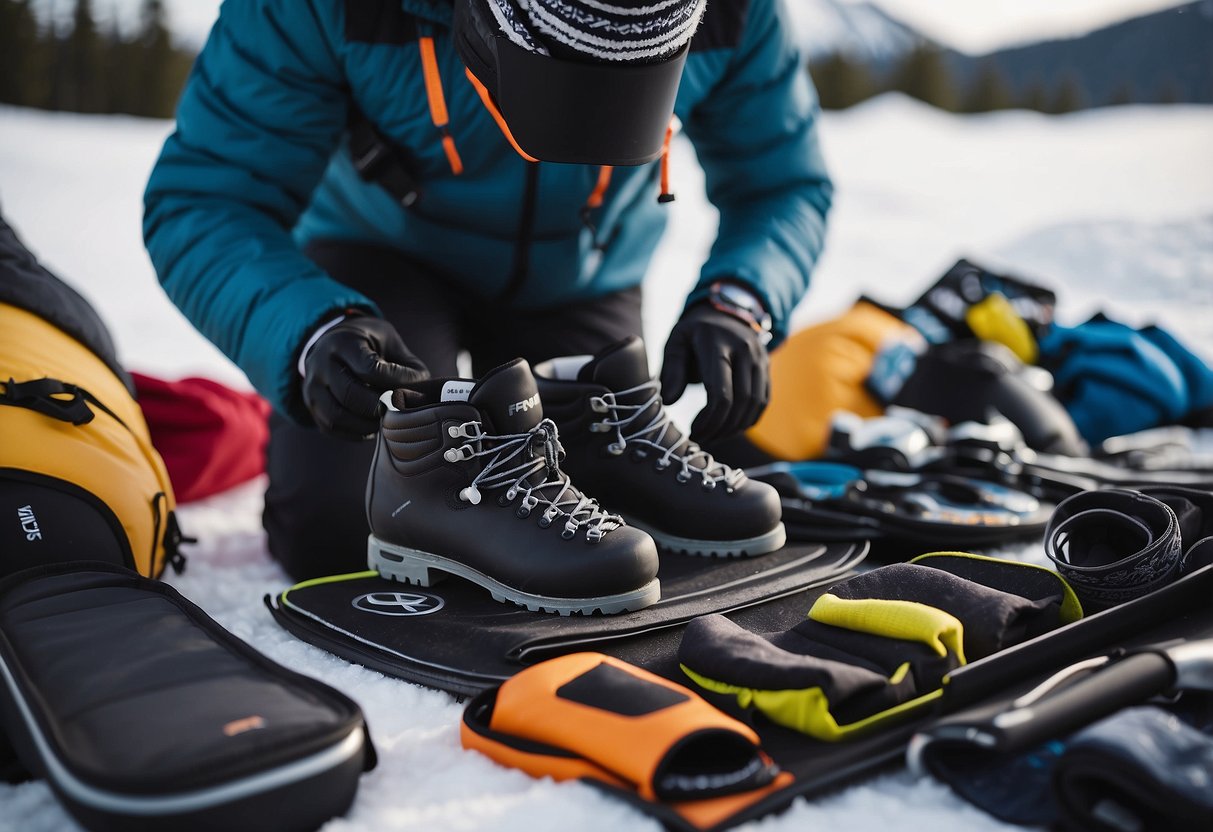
column 631, row 31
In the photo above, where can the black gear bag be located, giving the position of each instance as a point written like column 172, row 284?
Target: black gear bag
column 143, row 713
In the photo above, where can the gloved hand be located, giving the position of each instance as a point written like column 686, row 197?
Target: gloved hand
column 349, row 367
column 728, row 356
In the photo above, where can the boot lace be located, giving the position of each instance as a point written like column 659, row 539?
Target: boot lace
column 690, row 457
column 519, row 458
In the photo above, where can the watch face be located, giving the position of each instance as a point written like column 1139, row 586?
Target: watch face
column 741, row 298
column 741, row 303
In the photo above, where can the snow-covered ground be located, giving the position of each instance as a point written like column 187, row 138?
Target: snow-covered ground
column 1113, row 208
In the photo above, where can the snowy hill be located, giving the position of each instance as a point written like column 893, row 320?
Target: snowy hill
column 860, row 31
column 1167, row 55
column 1113, row 208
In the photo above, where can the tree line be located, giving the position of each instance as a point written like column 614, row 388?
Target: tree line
column 81, row 68
column 924, row 74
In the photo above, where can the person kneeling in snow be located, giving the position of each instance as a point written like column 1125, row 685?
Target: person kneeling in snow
column 349, row 177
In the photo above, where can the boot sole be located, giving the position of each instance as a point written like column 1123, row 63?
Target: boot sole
column 744, row 548
column 412, row 566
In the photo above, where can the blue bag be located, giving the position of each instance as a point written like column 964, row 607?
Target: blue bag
column 1114, row 379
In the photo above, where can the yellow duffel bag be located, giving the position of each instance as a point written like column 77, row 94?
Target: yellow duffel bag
column 821, row 370
column 79, row 478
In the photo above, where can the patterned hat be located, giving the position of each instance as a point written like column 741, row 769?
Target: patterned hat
column 631, row 31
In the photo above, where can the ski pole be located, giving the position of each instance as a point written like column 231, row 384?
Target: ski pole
column 1042, row 714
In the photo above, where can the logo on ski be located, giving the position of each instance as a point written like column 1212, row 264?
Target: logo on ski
column 29, row 523
column 398, row 603
column 523, row 406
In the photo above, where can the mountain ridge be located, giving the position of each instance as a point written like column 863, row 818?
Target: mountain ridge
column 1165, row 55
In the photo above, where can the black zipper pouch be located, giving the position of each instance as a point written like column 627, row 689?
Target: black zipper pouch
column 143, row 713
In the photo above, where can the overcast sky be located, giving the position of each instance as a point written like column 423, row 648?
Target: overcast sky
column 971, row 25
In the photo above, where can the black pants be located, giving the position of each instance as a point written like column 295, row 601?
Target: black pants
column 314, row 513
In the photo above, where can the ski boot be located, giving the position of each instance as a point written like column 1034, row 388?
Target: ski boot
column 623, row 448
column 467, row 481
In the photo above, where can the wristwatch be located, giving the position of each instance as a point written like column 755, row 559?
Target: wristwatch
column 738, row 301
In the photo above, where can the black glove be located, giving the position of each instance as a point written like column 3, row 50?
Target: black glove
column 728, row 356
column 349, row 367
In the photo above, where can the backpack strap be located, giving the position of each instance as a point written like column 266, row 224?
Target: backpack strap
column 70, row 403
column 382, row 162
column 52, row 397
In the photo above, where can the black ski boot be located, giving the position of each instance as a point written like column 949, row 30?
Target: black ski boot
column 622, row 447
column 467, row 480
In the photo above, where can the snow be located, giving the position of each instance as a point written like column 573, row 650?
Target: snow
column 73, row 188
column 918, row 188
column 1113, row 208
column 1110, row 207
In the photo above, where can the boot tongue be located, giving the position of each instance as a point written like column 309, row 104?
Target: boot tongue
column 621, row 367
column 509, row 397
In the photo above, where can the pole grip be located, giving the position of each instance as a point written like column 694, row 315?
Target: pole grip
column 1130, row 681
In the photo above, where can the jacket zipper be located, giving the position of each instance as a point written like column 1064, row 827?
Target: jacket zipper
column 526, row 230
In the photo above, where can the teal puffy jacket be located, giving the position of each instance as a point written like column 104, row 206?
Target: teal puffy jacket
column 259, row 165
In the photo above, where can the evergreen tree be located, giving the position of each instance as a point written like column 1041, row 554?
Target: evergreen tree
column 142, row 74
column 83, row 64
column 159, row 68
column 1069, row 96
column 1170, row 92
column 22, row 77
column 39, row 74
column 54, row 49
column 119, row 92
column 925, row 76
column 990, row 91
column 842, row 82
column 1035, row 97
column 1123, row 94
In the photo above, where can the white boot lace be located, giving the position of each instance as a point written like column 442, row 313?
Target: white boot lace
column 526, row 454
column 692, row 459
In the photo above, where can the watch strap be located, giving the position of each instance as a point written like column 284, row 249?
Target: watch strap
column 756, row 316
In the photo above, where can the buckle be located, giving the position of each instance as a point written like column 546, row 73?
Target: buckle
column 371, row 161
column 378, row 162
